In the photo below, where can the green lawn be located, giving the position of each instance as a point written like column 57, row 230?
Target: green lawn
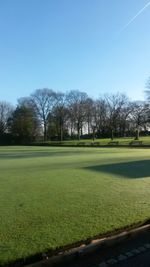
column 123, row 141
column 54, row 196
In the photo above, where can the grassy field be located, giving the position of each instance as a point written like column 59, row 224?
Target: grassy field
column 54, row 196
column 124, row 141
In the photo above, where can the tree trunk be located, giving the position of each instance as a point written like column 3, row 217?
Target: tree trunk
column 88, row 127
column 137, row 135
column 78, row 133
column 93, row 134
column 61, row 132
column 81, row 129
column 45, row 132
column 112, row 135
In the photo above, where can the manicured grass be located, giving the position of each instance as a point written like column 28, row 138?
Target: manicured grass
column 55, row 196
column 124, row 141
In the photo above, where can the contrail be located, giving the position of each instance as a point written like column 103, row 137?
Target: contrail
column 141, row 11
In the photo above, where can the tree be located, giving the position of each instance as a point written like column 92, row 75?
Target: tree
column 23, row 124
column 100, row 114
column 77, row 109
column 89, row 108
column 124, row 119
column 139, row 117
column 6, row 110
column 115, row 104
column 57, row 119
column 43, row 101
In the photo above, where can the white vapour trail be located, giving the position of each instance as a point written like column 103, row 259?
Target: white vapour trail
column 139, row 12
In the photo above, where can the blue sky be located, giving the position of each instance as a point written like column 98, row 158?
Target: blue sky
column 73, row 44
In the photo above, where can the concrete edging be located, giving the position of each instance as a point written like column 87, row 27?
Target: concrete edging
column 96, row 244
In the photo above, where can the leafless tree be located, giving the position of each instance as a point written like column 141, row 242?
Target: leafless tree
column 89, row 113
column 44, row 101
column 6, row 110
column 77, row 109
column 139, row 117
column 100, row 116
column 60, row 115
column 115, row 103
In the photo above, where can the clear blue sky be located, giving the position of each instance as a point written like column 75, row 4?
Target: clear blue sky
column 73, row 44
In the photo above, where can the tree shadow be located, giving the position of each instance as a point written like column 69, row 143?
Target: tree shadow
column 37, row 154
column 132, row 170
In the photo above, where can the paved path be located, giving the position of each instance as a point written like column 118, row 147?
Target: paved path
column 134, row 252
column 138, row 257
column 142, row 260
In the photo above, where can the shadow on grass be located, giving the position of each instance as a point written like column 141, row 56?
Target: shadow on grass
column 37, row 154
column 135, row 169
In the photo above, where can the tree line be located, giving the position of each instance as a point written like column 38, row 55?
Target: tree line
column 49, row 115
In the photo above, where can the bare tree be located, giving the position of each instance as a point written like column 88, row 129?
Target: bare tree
column 89, row 110
column 100, row 114
column 115, row 104
column 124, row 119
column 77, row 107
column 139, row 117
column 44, row 100
column 60, row 115
column 6, row 110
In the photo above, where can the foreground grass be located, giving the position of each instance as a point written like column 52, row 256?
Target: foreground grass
column 54, row 196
